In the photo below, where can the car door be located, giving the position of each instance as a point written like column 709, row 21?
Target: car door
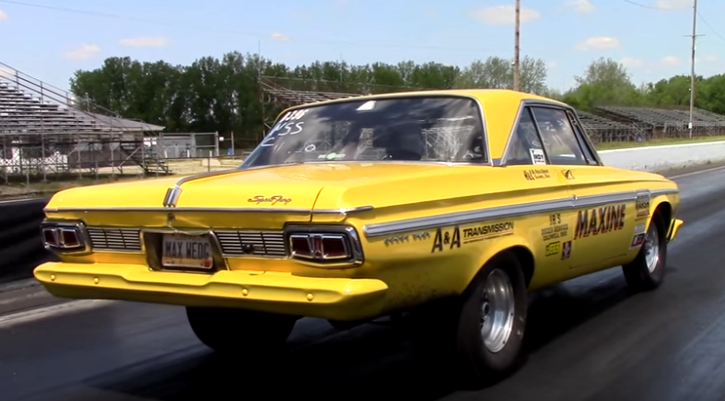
column 550, row 224
column 603, row 215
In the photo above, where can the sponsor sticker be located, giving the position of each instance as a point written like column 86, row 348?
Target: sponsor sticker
column 553, row 248
column 566, row 250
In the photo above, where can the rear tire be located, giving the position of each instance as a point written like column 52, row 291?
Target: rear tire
column 647, row 271
column 492, row 321
column 228, row 330
column 481, row 332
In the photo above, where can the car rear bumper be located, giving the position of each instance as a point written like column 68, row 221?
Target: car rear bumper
column 328, row 298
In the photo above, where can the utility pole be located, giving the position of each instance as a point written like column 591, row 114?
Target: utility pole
column 517, row 67
column 692, row 64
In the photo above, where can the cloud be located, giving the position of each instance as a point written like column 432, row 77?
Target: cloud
column 581, row 7
column 551, row 65
column 144, row 41
column 598, row 43
column 670, row 61
column 503, row 15
column 631, row 62
column 673, row 4
column 3, row 16
column 279, row 37
column 82, row 52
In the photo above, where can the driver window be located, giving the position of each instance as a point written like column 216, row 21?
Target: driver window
column 525, row 147
column 558, row 137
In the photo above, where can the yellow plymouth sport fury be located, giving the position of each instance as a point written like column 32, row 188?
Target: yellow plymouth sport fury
column 452, row 205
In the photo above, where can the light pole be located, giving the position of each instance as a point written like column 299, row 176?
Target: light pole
column 517, row 24
column 692, row 64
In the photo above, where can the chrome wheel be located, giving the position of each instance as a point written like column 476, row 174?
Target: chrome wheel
column 652, row 247
column 497, row 310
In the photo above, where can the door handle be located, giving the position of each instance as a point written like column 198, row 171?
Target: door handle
column 568, row 174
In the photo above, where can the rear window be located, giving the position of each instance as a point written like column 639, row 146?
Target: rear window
column 431, row 128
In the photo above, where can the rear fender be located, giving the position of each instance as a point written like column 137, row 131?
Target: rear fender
column 503, row 245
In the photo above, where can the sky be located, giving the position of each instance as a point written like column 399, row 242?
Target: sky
column 50, row 39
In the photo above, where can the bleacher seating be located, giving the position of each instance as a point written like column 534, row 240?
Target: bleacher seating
column 661, row 118
column 602, row 129
column 20, row 112
column 34, row 114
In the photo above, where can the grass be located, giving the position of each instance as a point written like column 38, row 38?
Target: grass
column 657, row 142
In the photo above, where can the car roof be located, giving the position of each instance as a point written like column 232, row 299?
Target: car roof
column 500, row 109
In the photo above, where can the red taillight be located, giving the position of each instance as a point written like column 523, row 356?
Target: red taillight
column 69, row 237
column 49, row 237
column 62, row 237
column 300, row 246
column 335, row 247
column 320, row 246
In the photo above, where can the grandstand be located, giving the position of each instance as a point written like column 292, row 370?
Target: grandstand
column 662, row 123
column 44, row 130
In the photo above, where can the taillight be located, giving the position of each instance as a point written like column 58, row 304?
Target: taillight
column 319, row 246
column 63, row 236
column 324, row 244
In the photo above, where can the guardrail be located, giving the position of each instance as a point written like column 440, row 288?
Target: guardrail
column 21, row 247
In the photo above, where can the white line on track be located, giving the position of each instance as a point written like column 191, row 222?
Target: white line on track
column 19, row 200
column 51, row 311
column 709, row 170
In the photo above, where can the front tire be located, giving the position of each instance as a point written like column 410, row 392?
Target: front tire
column 228, row 330
column 647, row 270
column 492, row 320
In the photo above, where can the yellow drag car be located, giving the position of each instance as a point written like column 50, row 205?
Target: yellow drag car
column 450, row 204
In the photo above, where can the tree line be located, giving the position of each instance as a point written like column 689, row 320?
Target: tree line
column 224, row 94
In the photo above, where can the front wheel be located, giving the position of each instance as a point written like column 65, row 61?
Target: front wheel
column 647, row 270
column 236, row 330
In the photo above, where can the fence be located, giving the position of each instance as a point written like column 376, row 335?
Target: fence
column 187, row 145
column 48, row 156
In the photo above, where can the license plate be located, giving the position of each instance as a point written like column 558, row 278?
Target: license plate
column 179, row 250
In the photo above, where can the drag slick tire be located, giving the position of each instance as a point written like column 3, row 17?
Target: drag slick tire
column 647, row 270
column 228, row 330
column 481, row 332
column 492, row 320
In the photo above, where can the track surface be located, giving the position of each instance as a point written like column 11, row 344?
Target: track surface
column 588, row 339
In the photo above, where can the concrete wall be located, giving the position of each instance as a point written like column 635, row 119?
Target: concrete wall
column 659, row 158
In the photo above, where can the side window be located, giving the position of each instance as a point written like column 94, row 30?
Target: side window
column 525, row 146
column 580, row 134
column 558, row 136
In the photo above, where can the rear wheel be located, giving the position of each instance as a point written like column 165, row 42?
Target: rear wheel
column 482, row 331
column 647, row 270
column 234, row 330
column 490, row 330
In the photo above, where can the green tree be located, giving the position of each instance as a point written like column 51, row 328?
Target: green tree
column 604, row 82
column 226, row 94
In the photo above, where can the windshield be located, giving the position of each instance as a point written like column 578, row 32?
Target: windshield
column 432, row 128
